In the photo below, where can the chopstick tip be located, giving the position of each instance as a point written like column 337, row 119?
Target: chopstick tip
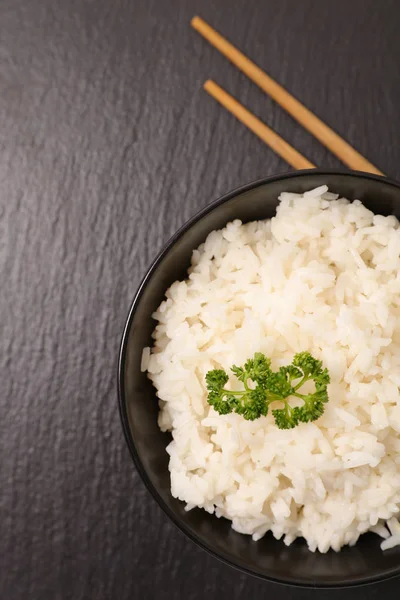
column 195, row 21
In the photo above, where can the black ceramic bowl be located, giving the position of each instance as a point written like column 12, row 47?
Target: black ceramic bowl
column 267, row 558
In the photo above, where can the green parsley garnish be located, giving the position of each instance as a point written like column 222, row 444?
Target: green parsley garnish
column 270, row 386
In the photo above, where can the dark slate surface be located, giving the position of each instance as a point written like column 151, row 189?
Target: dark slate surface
column 108, row 145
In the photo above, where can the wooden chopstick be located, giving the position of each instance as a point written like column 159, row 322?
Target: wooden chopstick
column 274, row 141
column 347, row 154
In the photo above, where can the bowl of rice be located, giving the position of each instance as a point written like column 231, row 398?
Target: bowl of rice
column 304, row 262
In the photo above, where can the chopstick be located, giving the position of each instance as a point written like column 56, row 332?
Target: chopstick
column 346, row 153
column 274, row 141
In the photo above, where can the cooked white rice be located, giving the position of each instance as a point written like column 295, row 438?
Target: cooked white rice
column 322, row 276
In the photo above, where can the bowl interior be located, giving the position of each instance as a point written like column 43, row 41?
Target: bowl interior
column 268, row 557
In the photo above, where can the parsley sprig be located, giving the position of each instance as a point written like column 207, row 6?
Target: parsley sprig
column 271, row 386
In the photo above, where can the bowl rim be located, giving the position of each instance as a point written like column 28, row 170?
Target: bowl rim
column 354, row 582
